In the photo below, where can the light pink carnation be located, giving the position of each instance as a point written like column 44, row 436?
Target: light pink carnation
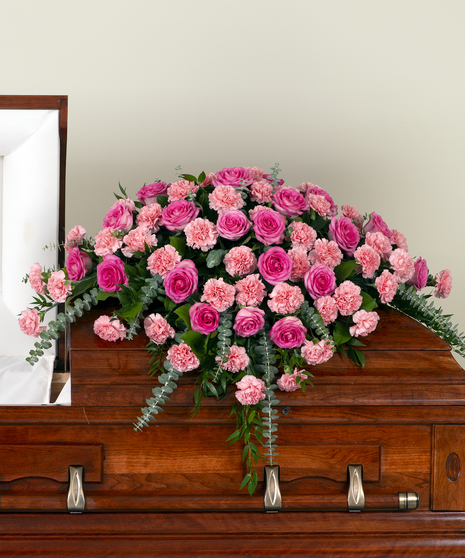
column 317, row 353
column 57, row 286
column 182, row 358
column 289, row 382
column 387, row 286
column 218, row 294
column 163, row 260
column 74, row 238
column 300, row 263
column 181, row 189
column 350, row 212
column 348, row 298
column 376, row 223
column 312, row 189
column 380, row 243
column 108, row 329
column 303, row 235
column 209, row 178
column 320, row 204
column 250, row 291
column 201, row 233
column 443, row 284
column 285, row 299
column 366, row 322
column 399, row 240
column 35, row 278
column 369, row 259
column 261, row 192
column 136, row 240
column 327, row 307
column 250, row 390
column 237, row 359
column 403, row 265
column 326, row 252
column 225, row 197
column 149, row 216
column 240, row 260
column 256, row 173
column 158, row 329
column 106, row 242
column 29, row 323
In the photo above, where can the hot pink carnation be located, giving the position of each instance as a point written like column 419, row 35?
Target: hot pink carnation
column 300, row 263
column 369, row 259
column 290, row 202
column 269, row 226
column 75, row 237
column 443, row 284
column 317, row 353
column 249, row 321
column 403, row 265
column 237, row 359
column 302, row 236
column 380, row 243
column 181, row 189
column 148, row 194
column 201, row 234
column 320, row 281
column 288, row 333
column 420, row 276
column 204, row 318
column 176, row 215
column 29, row 323
column 345, row 233
column 119, row 216
column 285, row 299
column 250, row 390
column 326, row 252
column 58, row 287
column 275, row 265
column 237, row 176
column 106, row 242
column 111, row 274
column 108, row 329
column 77, row 264
column 182, row 281
column 399, row 240
column 232, row 224
column 289, row 382
column 240, row 260
column 158, row 329
column 387, row 286
column 348, row 298
column 163, row 260
column 149, row 217
column 261, row 192
column 219, row 294
column 225, row 197
column 250, row 291
column 327, row 308
column 182, row 358
column 136, row 240
column 35, row 278
column 366, row 322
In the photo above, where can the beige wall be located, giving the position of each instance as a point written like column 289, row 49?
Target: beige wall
column 364, row 97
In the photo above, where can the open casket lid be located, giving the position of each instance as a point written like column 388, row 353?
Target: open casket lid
column 33, row 133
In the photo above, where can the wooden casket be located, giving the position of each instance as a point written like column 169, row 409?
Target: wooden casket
column 173, row 489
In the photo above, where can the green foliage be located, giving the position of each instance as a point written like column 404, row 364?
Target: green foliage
column 270, row 427
column 344, row 270
column 179, row 244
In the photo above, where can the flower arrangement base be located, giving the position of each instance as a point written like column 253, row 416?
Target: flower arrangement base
column 402, row 418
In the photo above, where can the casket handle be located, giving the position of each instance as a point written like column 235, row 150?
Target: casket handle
column 272, row 500
column 355, row 493
column 76, row 500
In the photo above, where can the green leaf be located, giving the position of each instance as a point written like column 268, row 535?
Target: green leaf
column 162, row 200
column 245, row 481
column 201, row 177
column 369, row 303
column 103, row 296
column 189, row 177
column 179, row 244
column 341, row 333
column 195, row 341
column 131, row 313
column 215, row 257
column 183, row 313
column 251, row 488
column 169, row 304
column 345, row 270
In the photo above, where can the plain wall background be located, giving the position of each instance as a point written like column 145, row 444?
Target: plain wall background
column 363, row 97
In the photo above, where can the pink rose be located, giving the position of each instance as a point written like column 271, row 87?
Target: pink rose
column 420, row 276
column 108, row 329
column 290, row 202
column 269, row 226
column 366, row 322
column 232, row 224
column 387, row 286
column 320, row 281
column 158, row 329
column 77, row 264
column 218, row 294
column 29, row 323
column 119, row 216
column 35, row 278
column 240, row 260
column 348, row 298
column 289, row 382
column 317, row 353
column 249, row 321
column 345, row 233
column 237, row 176
column 443, row 284
column 58, row 288
column 209, row 178
column 288, row 333
column 377, row 224
column 237, row 359
column 204, row 318
column 250, row 390
column 181, row 281
column 182, row 358
column 148, row 194
column 275, row 265
column 111, row 274
column 175, row 216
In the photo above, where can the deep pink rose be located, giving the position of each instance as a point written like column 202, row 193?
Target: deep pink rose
column 269, row 226
column 320, row 281
column 110, row 274
column 77, row 264
column 237, row 176
column 288, row 333
column 290, row 202
column 119, row 216
column 249, row 321
column 175, row 216
column 420, row 276
column 275, row 265
column 377, row 224
column 204, row 318
column 345, row 234
column 232, row 224
column 148, row 194
column 181, row 281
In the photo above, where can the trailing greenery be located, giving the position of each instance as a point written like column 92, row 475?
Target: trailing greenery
column 270, row 427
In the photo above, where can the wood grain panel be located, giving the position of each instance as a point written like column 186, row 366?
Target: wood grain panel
column 448, row 491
